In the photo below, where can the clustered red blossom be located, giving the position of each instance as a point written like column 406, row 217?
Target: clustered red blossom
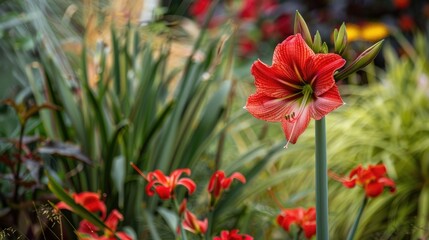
column 92, row 202
column 372, row 179
column 305, row 219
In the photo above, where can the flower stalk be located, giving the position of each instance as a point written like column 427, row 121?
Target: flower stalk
column 322, row 231
column 352, row 231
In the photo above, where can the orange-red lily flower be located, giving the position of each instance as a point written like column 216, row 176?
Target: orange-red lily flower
column 164, row 185
column 304, row 219
column 297, row 87
column 92, row 202
column 88, row 231
column 219, row 182
column 233, row 235
column 89, row 200
column 193, row 225
column 373, row 179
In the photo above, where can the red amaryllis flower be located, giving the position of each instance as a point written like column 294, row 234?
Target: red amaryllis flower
column 233, row 235
column 298, row 86
column 219, row 182
column 164, row 185
column 373, row 179
column 192, row 224
column 89, row 200
column 304, row 219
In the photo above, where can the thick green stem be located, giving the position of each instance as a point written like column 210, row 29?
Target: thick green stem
column 322, row 232
column 352, row 231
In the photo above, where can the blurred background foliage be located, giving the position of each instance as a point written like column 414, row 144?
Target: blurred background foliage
column 162, row 85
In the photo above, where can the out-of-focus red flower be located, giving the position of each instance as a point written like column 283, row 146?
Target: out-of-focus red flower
column 401, row 4
column 192, row 224
column 199, row 7
column 284, row 25
column 304, row 219
column 246, row 47
column 298, row 86
column 373, row 179
column 88, row 231
column 252, row 9
column 89, row 200
column 406, row 23
column 233, row 235
column 164, row 185
column 219, row 182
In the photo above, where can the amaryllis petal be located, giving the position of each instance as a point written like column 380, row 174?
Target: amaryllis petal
column 268, row 108
column 291, row 55
column 271, row 80
column 326, row 103
column 322, row 68
column 293, row 130
column 192, row 224
column 164, row 185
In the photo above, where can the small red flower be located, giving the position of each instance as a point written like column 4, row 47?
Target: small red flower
column 304, row 219
column 219, row 182
column 297, row 87
column 233, row 235
column 193, row 225
column 164, row 185
column 373, row 179
column 89, row 200
column 88, row 231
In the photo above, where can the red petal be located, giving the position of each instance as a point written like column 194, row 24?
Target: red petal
column 326, row 103
column 293, row 132
column 309, row 229
column 88, row 228
column 158, row 175
column 272, row 81
column 268, row 108
column 374, row 189
column 387, row 182
column 123, row 236
column 163, row 192
column 290, row 54
column 378, row 170
column 321, row 67
column 188, row 183
column 113, row 219
column 238, row 176
column 349, row 184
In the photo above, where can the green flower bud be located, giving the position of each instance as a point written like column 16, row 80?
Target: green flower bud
column 300, row 26
column 340, row 39
column 361, row 61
